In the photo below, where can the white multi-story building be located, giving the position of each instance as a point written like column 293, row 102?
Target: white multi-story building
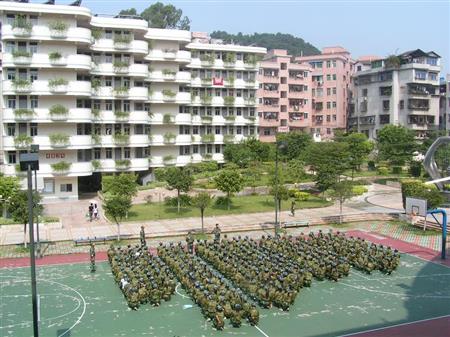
column 444, row 104
column 107, row 94
column 402, row 90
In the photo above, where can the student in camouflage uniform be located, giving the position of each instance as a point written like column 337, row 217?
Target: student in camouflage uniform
column 92, row 257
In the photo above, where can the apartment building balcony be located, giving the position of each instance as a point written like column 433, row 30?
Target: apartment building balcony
column 132, row 47
column 180, row 56
column 352, row 121
column 419, row 104
column 119, row 68
column 275, row 107
column 72, row 115
column 385, row 119
column 269, row 122
column 421, row 122
column 44, row 33
column 421, row 90
column 297, row 119
column 367, row 120
column 298, row 94
column 296, row 80
column 119, row 140
column 131, row 117
column 50, row 60
column 133, row 93
column 269, row 79
column 47, row 87
column 198, row 157
column 270, row 94
column 166, row 76
column 115, row 165
column 170, row 97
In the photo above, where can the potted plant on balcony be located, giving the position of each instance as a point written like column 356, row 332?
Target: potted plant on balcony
column 169, row 138
column 58, row 85
column 59, row 139
column 230, row 119
column 229, row 81
column 121, row 139
column 169, row 160
column 21, row 85
column 95, row 84
column 122, row 115
column 61, row 167
column 23, row 114
column 206, row 156
column 122, row 41
column 95, row 113
column 22, row 141
column 208, row 59
column 96, row 33
column 21, row 56
column 56, row 59
column 250, row 83
column 170, row 53
column 207, row 81
column 228, row 139
column 250, row 101
column 96, row 139
column 96, row 165
column 208, row 138
column 168, row 119
column 21, row 26
column 58, row 29
column 228, row 100
column 229, row 59
column 120, row 67
column 206, row 119
column 58, row 112
column 250, row 60
column 121, row 91
column 123, row 164
column 168, row 95
column 169, row 74
column 205, row 99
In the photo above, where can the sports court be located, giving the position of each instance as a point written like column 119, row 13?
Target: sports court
column 75, row 302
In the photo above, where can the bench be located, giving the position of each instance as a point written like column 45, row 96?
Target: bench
column 298, row 223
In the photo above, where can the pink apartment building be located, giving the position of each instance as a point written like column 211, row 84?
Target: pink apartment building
column 330, row 85
column 284, row 95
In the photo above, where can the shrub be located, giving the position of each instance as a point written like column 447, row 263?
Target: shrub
column 21, row 22
column 59, row 110
column 59, row 139
column 230, row 57
column 96, row 33
column 122, row 38
column 301, row 196
column 417, row 189
column 160, row 174
column 57, row 82
column 221, row 201
column 123, row 163
column 120, row 64
column 96, row 165
column 168, row 93
column 169, row 72
column 359, row 190
column 396, row 169
column 185, row 201
column 62, row 166
column 209, row 138
column 371, row 165
column 23, row 112
column 58, row 25
column 168, row 119
column 20, row 53
column 382, row 171
column 228, row 100
column 207, row 166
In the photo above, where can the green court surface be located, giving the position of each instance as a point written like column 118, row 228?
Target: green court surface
column 74, row 302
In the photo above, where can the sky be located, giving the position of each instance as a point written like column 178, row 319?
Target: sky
column 364, row 27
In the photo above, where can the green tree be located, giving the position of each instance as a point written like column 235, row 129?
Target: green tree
column 396, row 144
column 124, row 184
column 329, row 160
column 252, row 175
column 179, row 179
column 342, row 191
column 296, row 144
column 229, row 182
column 117, row 207
column 248, row 151
column 359, row 148
column 9, row 186
column 295, row 46
column 202, row 200
column 159, row 15
column 18, row 208
column 130, row 11
column 295, row 170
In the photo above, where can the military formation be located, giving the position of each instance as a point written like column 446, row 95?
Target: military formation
column 217, row 297
column 142, row 277
column 227, row 277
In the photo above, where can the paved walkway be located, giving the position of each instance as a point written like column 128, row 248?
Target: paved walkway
column 74, row 225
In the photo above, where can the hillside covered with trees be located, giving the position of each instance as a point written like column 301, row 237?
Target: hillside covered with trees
column 294, row 45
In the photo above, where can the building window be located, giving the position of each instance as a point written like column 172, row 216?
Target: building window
column 33, row 129
column 328, row 118
column 334, row 118
column 328, row 77
column 11, row 129
column 108, row 105
column 108, row 82
column 328, row 91
column 334, row 104
column 11, row 74
column 334, row 77
column 66, row 187
column 108, row 153
column 328, row 64
column 421, row 74
column 283, row 66
column 34, row 102
column 217, row 148
column 127, row 153
column 328, row 105
column 33, row 75
column 364, row 92
column 108, row 34
column 97, row 153
column 334, row 90
column 12, row 157
column 49, row 185
column 11, row 102
column 328, row 131
column 386, row 105
column 402, row 104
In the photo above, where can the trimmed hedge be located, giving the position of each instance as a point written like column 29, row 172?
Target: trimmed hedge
column 417, row 189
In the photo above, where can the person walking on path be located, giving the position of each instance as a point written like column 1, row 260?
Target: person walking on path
column 142, row 237
column 293, row 208
column 92, row 257
column 95, row 211
column 91, row 211
column 216, row 231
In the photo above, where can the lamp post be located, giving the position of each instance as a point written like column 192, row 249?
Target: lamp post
column 279, row 145
column 28, row 162
column 35, row 149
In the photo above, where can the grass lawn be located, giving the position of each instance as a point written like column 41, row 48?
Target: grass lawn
column 364, row 173
column 244, row 204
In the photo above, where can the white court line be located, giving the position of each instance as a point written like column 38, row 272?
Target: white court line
column 393, row 294
column 401, row 277
column 393, row 326
column 259, row 329
column 176, row 290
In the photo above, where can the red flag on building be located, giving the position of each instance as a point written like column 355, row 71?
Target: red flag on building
column 218, row 81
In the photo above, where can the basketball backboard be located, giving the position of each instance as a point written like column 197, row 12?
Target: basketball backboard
column 416, row 206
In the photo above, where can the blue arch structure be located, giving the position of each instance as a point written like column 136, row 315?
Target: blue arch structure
column 443, row 226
